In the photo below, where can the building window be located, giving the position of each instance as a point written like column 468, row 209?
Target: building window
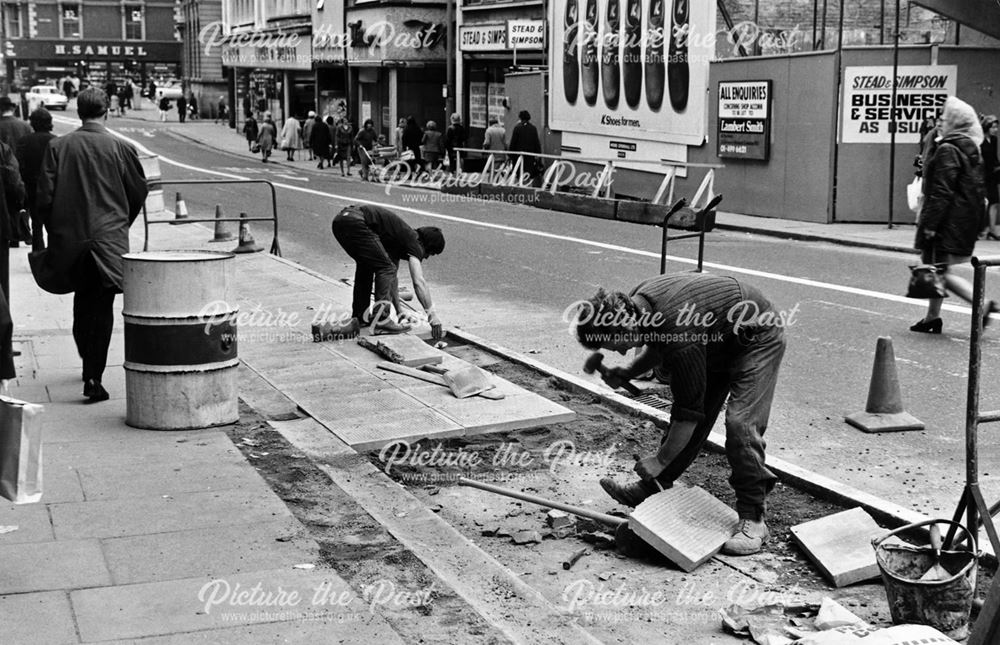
column 70, row 23
column 242, row 12
column 12, row 14
column 134, row 22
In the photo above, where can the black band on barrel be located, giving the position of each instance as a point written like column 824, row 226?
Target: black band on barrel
column 180, row 344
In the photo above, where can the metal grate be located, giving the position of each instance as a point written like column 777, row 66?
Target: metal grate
column 653, row 401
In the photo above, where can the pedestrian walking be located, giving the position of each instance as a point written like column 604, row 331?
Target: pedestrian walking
column 412, row 139
column 129, row 93
column 12, row 127
column 151, row 92
column 90, row 190
column 30, row 154
column 398, row 137
column 182, row 106
column 321, row 141
column 495, row 138
column 991, row 176
column 193, row 107
column 164, row 108
column 11, row 198
column 710, row 358
column 524, row 138
column 431, row 146
column 343, row 138
column 307, row 129
column 266, row 137
column 250, row 131
column 954, row 206
column 223, row 113
column 365, row 141
column 377, row 239
column 454, row 137
column 291, row 137
column 123, row 99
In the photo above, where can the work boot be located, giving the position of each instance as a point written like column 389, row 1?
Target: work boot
column 630, row 494
column 94, row 391
column 749, row 539
column 328, row 331
column 389, row 327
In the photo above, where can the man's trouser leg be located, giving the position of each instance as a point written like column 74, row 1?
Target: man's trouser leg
column 93, row 320
column 751, row 394
column 373, row 263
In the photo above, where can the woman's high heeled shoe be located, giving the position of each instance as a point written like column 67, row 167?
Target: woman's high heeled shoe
column 928, row 326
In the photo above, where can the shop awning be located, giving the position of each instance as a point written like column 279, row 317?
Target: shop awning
column 981, row 15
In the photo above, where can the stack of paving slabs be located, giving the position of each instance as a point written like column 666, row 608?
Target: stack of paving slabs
column 685, row 523
column 403, row 349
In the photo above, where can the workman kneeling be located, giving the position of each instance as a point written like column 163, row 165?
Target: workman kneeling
column 716, row 337
column 377, row 239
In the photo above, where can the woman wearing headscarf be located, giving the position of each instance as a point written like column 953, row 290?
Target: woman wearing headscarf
column 954, row 205
column 307, row 129
column 250, row 131
column 291, row 137
column 265, row 138
column 320, row 141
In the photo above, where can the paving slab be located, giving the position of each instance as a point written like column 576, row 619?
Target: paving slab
column 45, row 617
column 841, row 545
column 372, row 431
column 169, row 477
column 145, row 446
column 525, row 410
column 60, row 484
column 181, row 512
column 403, row 349
column 202, row 603
column 238, row 548
column 359, row 629
column 32, row 522
column 46, row 566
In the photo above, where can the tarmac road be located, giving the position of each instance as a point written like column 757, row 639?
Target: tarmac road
column 509, row 272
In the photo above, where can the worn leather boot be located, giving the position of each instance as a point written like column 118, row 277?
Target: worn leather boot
column 749, row 539
column 628, row 494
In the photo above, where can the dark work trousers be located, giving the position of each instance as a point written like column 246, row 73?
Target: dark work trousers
column 93, row 319
column 373, row 264
column 749, row 383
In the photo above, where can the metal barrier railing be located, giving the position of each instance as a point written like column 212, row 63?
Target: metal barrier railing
column 972, row 503
column 159, row 183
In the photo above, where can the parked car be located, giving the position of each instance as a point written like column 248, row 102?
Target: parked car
column 172, row 92
column 46, row 96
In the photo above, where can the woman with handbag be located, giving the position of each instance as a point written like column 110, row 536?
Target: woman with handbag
column 953, row 207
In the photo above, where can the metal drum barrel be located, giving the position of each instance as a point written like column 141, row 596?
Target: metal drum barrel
column 180, row 340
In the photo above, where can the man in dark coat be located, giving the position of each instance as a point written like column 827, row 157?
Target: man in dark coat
column 11, row 127
column 321, row 141
column 90, row 190
column 182, row 106
column 524, row 138
column 30, row 153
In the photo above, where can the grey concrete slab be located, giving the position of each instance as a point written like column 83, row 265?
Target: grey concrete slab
column 262, row 397
column 197, row 604
column 46, row 566
column 32, row 521
column 181, row 512
column 308, row 434
column 72, row 390
column 168, row 477
column 329, row 631
column 60, row 484
column 372, row 431
column 29, row 390
column 223, row 551
column 525, row 410
column 45, row 617
column 146, row 446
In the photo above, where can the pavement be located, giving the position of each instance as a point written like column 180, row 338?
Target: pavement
column 165, row 535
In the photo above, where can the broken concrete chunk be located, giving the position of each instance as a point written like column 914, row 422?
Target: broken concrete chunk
column 605, row 576
column 559, row 519
column 599, row 539
column 527, row 537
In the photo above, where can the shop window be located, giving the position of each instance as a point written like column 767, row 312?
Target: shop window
column 134, row 22
column 12, row 15
column 70, row 23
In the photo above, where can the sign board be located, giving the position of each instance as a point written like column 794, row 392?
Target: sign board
column 744, row 120
column 866, row 103
column 482, row 38
column 292, row 52
column 526, row 34
column 635, row 69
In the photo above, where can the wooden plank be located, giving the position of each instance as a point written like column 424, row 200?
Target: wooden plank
column 403, row 349
column 841, row 545
column 686, row 524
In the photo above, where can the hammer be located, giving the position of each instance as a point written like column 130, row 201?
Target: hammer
column 595, row 362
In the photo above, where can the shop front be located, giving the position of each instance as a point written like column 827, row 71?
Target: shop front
column 492, row 43
column 272, row 75
column 397, row 63
column 46, row 62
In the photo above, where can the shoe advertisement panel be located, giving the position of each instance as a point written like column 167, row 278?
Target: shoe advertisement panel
column 631, row 69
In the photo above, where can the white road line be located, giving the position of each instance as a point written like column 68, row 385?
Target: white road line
column 865, row 293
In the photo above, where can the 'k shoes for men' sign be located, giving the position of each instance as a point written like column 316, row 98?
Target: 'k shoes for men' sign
column 867, row 109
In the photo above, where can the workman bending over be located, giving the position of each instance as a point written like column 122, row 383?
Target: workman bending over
column 716, row 337
column 377, row 239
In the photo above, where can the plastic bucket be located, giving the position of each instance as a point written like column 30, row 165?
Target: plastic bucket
column 944, row 604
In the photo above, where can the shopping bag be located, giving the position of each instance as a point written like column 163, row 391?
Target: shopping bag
column 915, row 195
column 20, row 450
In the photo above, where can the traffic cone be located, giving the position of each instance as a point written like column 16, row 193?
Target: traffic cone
column 247, row 243
column 180, row 209
column 884, row 411
column 222, row 234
